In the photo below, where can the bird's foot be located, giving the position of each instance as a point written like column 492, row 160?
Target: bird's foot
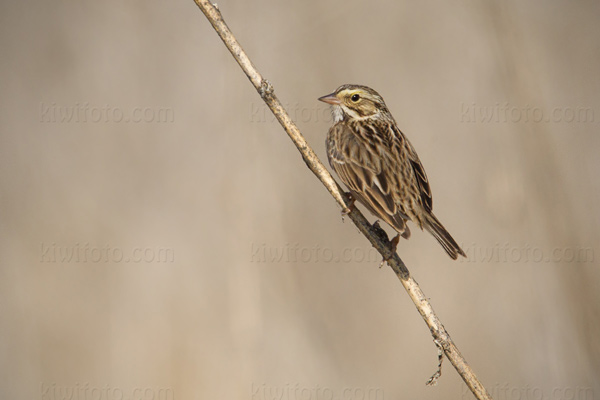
column 393, row 247
column 350, row 207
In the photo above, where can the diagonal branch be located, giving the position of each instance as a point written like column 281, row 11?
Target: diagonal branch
column 373, row 233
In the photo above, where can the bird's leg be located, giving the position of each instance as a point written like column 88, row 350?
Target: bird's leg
column 350, row 207
column 393, row 246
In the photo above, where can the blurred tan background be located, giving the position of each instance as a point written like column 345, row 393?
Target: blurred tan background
column 189, row 254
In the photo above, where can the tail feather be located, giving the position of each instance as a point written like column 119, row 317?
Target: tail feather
column 435, row 227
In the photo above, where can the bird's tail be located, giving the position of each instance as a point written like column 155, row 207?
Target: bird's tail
column 435, row 227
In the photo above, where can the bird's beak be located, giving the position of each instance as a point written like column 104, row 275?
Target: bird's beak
column 330, row 99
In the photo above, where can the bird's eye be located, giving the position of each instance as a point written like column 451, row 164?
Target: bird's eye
column 355, row 97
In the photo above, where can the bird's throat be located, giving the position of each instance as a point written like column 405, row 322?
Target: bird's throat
column 338, row 114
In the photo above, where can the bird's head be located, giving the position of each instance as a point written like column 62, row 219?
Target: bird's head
column 355, row 102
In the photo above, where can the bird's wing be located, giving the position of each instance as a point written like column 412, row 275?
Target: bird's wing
column 359, row 166
column 419, row 171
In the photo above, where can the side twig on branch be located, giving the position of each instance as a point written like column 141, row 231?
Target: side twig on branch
column 441, row 337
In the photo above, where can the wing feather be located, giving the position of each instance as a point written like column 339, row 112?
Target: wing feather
column 361, row 170
column 417, row 167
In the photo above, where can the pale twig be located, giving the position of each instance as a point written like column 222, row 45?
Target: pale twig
column 434, row 378
column 379, row 241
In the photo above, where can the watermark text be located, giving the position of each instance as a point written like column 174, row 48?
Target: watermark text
column 83, row 113
column 87, row 253
column 508, row 113
column 526, row 253
column 296, row 253
column 317, row 392
column 507, row 392
column 260, row 113
column 86, row 391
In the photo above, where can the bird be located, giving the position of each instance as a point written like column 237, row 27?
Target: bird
column 380, row 167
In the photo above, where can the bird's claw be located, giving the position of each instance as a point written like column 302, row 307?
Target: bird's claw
column 393, row 246
column 350, row 207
